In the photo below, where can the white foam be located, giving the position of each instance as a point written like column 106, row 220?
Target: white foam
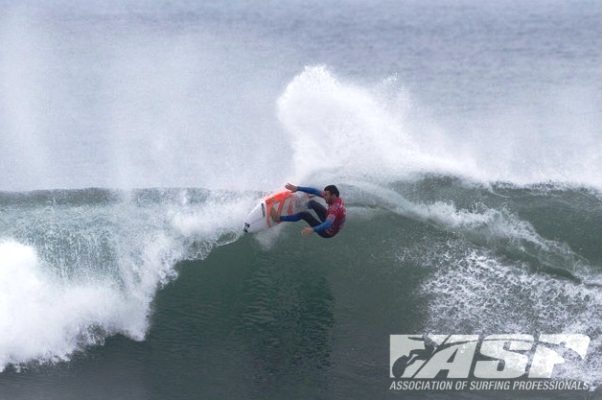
column 473, row 292
column 45, row 318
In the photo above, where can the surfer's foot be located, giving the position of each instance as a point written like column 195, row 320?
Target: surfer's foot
column 275, row 217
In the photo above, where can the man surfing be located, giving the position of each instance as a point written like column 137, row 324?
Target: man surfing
column 331, row 219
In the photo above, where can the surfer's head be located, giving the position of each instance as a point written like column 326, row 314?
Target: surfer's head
column 332, row 189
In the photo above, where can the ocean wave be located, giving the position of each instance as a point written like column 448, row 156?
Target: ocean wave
column 79, row 266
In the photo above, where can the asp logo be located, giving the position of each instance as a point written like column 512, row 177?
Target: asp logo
column 491, row 357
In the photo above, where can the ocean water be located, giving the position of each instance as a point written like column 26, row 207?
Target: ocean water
column 135, row 136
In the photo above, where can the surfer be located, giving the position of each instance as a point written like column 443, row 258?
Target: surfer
column 331, row 219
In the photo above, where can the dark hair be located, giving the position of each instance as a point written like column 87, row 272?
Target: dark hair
column 332, row 189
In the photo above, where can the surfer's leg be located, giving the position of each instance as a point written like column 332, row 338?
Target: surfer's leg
column 305, row 215
column 319, row 209
column 309, row 218
column 289, row 218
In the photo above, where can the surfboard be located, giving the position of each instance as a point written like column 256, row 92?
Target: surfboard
column 285, row 203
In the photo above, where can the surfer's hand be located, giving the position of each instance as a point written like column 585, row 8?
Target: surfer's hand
column 291, row 187
column 307, row 231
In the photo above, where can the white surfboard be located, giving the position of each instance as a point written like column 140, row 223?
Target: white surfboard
column 285, row 203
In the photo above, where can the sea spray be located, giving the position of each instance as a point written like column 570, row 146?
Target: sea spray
column 340, row 129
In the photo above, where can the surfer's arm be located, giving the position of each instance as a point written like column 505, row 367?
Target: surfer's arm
column 309, row 190
column 305, row 189
column 325, row 225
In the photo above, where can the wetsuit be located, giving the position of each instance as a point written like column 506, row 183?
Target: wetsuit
column 331, row 220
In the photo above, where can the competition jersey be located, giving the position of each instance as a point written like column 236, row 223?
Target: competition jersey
column 335, row 214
